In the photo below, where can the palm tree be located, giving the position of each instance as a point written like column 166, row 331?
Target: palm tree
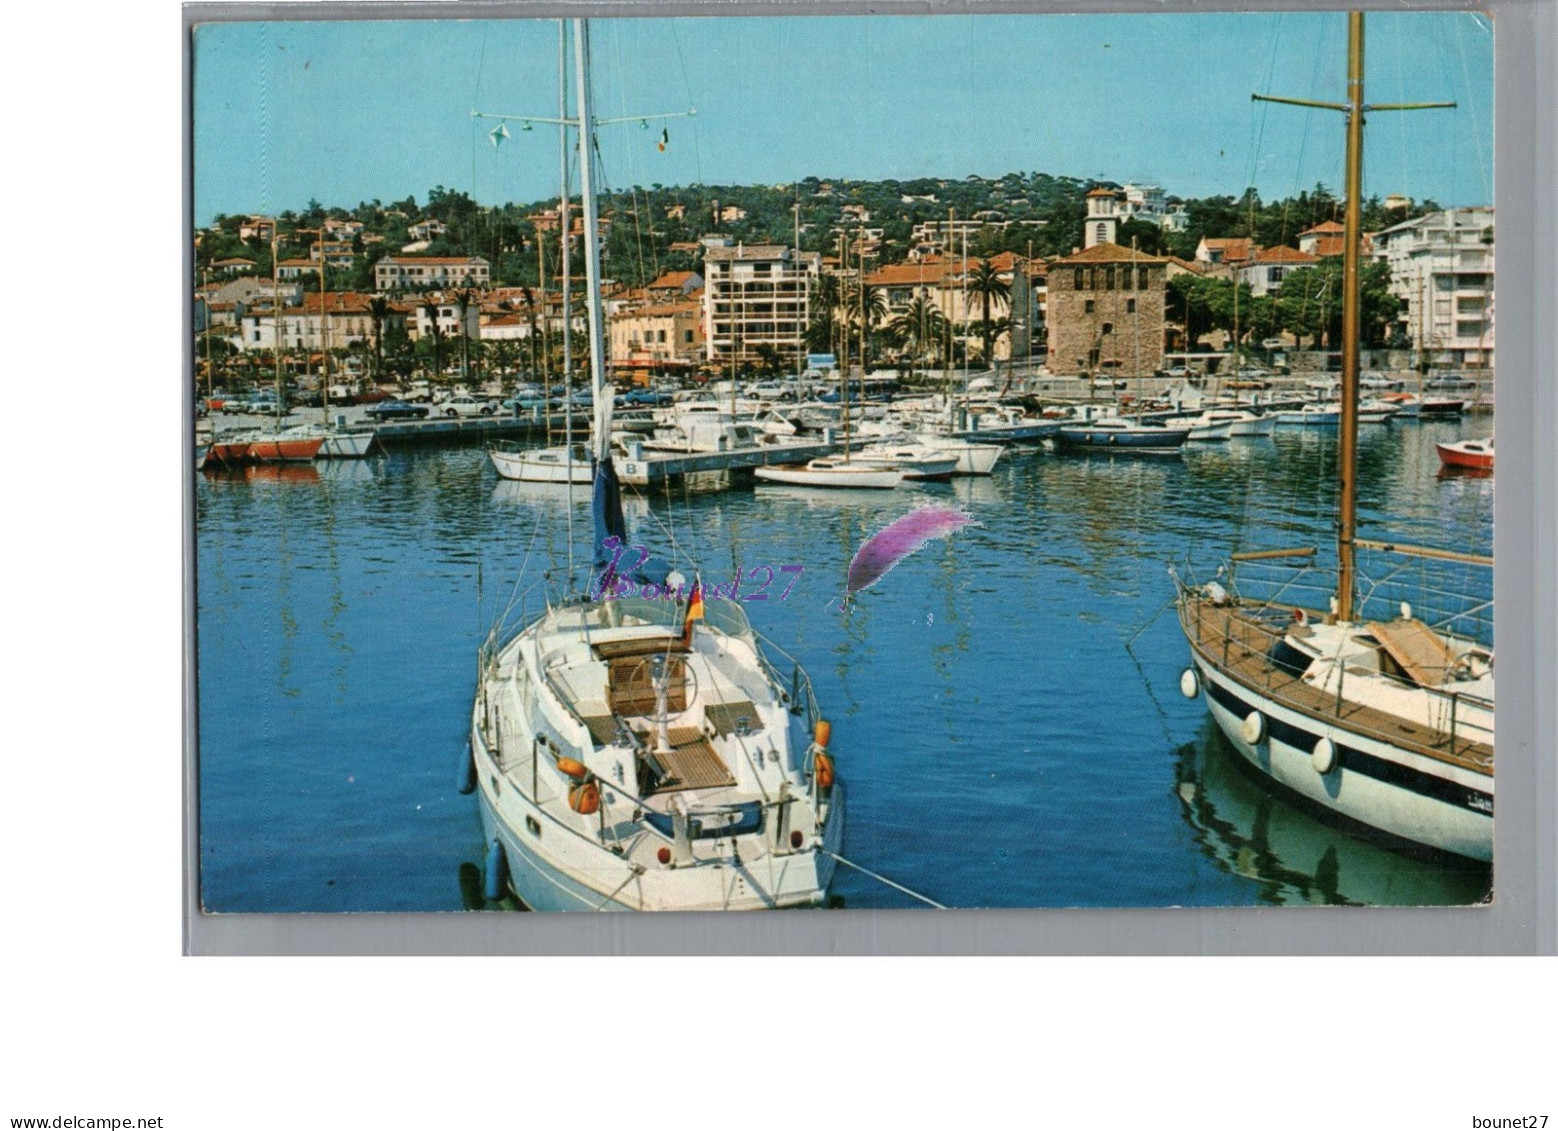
column 431, row 310
column 464, row 299
column 528, row 297
column 378, row 310
column 920, row 325
column 870, row 306
column 986, row 284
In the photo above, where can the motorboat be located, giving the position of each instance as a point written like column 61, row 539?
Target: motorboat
column 1476, row 455
column 832, row 472
column 1114, row 433
column 916, row 461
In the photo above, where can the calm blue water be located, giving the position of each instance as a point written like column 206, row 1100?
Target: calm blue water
column 1005, row 705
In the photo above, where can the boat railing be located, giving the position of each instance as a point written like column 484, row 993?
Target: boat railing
column 1450, row 594
column 795, row 689
column 1248, row 631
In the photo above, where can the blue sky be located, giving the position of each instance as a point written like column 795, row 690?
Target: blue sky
column 350, row 111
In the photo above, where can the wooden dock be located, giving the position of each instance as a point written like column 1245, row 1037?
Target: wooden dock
column 644, row 468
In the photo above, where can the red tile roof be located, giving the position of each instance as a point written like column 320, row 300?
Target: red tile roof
column 1283, row 254
column 672, row 280
column 1108, row 253
column 907, row 274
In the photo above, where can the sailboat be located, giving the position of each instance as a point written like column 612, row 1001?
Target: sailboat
column 641, row 751
column 1386, row 721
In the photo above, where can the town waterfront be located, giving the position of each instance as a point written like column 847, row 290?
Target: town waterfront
column 1005, row 706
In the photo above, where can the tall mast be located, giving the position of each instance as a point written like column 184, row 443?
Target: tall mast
column 563, row 232
column 581, row 50
column 324, row 334
column 1347, row 455
column 275, row 284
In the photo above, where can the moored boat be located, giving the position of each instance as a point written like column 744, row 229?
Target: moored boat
column 916, row 461
column 1386, row 721
column 830, row 472
column 1112, row 433
column 285, row 446
column 633, row 746
column 541, row 465
column 1476, row 455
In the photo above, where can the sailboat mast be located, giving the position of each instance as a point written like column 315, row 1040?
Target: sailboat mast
column 581, row 51
column 564, row 232
column 1347, row 454
column 324, row 334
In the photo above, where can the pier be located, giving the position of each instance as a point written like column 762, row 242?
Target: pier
column 643, row 469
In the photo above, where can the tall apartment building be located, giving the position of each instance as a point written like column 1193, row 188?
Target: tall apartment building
column 756, row 295
column 1441, row 267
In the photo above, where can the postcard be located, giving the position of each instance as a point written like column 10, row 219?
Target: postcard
column 850, row 462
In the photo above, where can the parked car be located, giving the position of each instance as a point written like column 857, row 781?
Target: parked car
column 1449, row 383
column 1106, row 382
column 639, row 398
column 258, row 404
column 1273, row 344
column 1379, row 383
column 465, row 405
column 396, row 410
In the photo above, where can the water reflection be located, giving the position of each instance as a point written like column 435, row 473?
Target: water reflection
column 1292, row 855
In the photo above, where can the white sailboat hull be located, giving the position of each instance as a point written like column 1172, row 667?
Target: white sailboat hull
column 543, row 465
column 346, row 445
column 849, row 476
column 1414, row 798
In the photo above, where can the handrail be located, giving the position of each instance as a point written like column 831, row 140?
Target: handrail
column 1252, row 632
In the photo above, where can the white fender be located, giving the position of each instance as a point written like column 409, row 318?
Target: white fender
column 1189, row 683
column 1324, row 756
column 1253, row 729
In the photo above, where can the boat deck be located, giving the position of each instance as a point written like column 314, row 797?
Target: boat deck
column 1235, row 641
column 692, row 762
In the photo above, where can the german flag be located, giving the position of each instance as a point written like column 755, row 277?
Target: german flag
column 694, row 612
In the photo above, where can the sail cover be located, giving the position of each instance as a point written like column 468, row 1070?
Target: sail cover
column 606, row 509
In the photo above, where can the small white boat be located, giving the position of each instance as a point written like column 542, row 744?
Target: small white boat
column 1312, row 416
column 340, row 444
column 831, row 473
column 916, row 461
column 1221, row 424
column 541, row 465
column 1375, row 411
column 973, row 459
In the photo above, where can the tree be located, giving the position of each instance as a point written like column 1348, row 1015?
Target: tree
column 985, row 283
column 378, row 310
column 464, row 299
column 436, row 337
column 920, row 326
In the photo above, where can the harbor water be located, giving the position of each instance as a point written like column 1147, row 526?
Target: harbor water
column 1005, row 704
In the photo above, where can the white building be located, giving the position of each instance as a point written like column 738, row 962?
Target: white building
column 425, row 272
column 754, row 296
column 1107, row 208
column 1441, row 266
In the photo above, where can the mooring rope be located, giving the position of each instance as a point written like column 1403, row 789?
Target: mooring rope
column 884, row 880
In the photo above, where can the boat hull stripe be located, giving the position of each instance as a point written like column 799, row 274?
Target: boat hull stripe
column 1359, row 762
